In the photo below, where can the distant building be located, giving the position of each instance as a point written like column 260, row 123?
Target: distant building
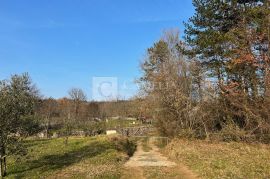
column 111, row 132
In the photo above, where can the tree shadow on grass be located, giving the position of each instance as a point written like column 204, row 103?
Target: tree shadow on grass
column 58, row 161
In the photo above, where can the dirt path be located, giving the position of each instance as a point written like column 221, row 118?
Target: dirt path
column 133, row 173
column 152, row 158
column 152, row 164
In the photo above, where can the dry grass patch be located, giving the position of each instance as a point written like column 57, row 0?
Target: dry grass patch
column 222, row 160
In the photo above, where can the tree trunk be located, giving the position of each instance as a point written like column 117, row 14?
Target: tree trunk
column 5, row 166
column 1, row 167
column 206, row 132
column 4, row 162
column 66, row 140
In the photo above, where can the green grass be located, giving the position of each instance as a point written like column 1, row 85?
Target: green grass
column 222, row 160
column 120, row 123
column 90, row 157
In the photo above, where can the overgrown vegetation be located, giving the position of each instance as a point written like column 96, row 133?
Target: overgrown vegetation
column 215, row 83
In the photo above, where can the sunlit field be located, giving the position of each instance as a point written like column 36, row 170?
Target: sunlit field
column 90, row 157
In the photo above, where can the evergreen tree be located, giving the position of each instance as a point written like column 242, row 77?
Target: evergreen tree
column 17, row 101
column 230, row 39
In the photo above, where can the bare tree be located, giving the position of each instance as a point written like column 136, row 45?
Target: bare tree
column 74, row 104
column 78, row 97
column 47, row 109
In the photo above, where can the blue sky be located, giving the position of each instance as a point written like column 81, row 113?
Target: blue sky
column 65, row 43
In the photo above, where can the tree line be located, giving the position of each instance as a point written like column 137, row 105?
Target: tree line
column 213, row 84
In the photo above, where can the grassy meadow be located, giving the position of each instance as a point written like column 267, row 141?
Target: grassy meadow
column 122, row 122
column 90, row 157
column 104, row 157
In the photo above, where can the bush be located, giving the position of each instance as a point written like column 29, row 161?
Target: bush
column 124, row 144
